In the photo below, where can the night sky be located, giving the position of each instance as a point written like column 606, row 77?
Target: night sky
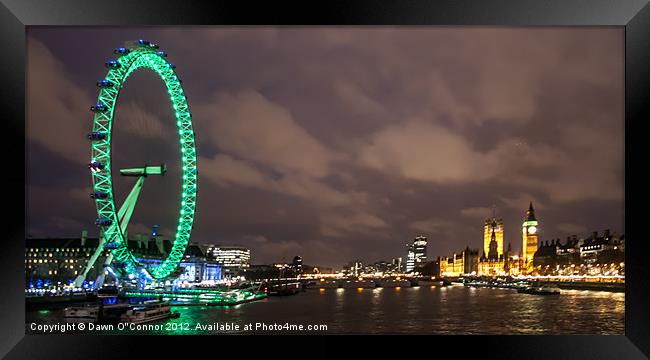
column 341, row 143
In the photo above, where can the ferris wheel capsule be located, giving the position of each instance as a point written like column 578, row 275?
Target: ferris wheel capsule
column 111, row 246
column 98, row 195
column 121, row 51
column 103, row 222
column 99, row 108
column 96, row 166
column 112, row 64
column 104, row 83
column 96, row 135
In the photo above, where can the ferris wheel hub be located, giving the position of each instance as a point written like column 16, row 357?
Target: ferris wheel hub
column 144, row 171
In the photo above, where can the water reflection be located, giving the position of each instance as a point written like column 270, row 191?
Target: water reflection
column 434, row 310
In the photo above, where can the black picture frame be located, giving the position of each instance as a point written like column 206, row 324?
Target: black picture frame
column 634, row 15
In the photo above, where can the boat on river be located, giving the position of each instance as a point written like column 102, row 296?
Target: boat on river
column 539, row 290
column 284, row 288
column 91, row 313
column 149, row 311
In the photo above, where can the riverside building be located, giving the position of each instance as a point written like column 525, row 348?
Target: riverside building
column 233, row 259
column 56, row 262
column 417, row 253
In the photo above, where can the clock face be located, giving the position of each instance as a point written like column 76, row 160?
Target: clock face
column 532, row 230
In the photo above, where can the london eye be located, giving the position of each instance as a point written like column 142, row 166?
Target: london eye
column 113, row 223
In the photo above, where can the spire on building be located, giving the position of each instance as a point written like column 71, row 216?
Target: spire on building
column 493, row 252
column 530, row 214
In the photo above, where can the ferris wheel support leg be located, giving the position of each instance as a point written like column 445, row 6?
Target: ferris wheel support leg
column 126, row 210
column 78, row 282
column 124, row 215
column 102, row 276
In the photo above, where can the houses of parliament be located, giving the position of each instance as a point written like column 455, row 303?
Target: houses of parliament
column 591, row 255
column 496, row 259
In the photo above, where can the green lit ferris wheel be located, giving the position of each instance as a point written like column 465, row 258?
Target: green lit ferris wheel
column 113, row 223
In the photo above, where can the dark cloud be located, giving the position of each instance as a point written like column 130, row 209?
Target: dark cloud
column 338, row 144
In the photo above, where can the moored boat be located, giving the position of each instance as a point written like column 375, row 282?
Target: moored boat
column 539, row 290
column 149, row 311
column 284, row 289
column 91, row 313
column 81, row 313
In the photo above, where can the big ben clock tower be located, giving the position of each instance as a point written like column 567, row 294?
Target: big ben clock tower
column 530, row 232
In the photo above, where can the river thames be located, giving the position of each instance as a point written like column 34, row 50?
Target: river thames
column 417, row 310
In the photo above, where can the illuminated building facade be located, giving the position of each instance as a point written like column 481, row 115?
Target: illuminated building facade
column 420, row 250
column 493, row 252
column 502, row 266
column 569, row 252
column 487, row 267
column 489, row 226
column 197, row 268
column 416, row 254
column 55, row 262
column 512, row 264
column 297, row 265
column 59, row 260
column 597, row 248
column 378, row 268
column 410, row 258
column 594, row 255
column 530, row 233
column 397, row 264
column 354, row 268
column 453, row 266
column 232, row 258
column 493, row 263
column 465, row 262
